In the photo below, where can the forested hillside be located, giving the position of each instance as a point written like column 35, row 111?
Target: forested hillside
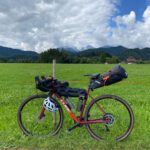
column 71, row 55
column 87, row 56
column 17, row 55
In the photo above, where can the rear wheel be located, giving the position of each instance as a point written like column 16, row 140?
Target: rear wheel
column 31, row 124
column 117, row 115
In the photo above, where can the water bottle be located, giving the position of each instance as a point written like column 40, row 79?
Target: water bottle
column 80, row 103
column 69, row 102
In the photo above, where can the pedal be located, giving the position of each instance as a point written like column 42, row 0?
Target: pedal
column 73, row 127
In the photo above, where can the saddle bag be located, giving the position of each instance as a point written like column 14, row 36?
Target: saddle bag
column 114, row 75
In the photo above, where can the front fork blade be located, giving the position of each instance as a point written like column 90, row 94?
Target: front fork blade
column 41, row 114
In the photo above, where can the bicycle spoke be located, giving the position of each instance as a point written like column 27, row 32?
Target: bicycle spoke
column 35, row 127
column 100, row 108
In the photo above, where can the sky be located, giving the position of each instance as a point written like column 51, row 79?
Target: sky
column 42, row 24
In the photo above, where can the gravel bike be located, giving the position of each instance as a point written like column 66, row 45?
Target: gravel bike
column 107, row 117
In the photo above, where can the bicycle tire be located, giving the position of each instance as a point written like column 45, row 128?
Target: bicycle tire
column 121, row 101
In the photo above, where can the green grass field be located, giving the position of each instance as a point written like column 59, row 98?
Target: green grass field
column 17, row 82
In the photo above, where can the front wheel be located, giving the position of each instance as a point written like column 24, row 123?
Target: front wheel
column 117, row 116
column 30, row 122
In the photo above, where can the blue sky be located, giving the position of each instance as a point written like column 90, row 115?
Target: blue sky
column 43, row 24
column 126, row 6
column 138, row 6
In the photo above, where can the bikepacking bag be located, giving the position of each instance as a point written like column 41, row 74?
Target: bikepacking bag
column 114, row 75
column 46, row 84
column 71, row 92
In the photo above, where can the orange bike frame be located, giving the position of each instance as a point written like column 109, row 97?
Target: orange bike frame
column 79, row 120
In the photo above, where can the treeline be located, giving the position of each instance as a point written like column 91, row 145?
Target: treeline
column 20, row 59
column 63, row 56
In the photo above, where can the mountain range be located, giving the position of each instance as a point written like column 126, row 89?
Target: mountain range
column 121, row 52
column 10, row 53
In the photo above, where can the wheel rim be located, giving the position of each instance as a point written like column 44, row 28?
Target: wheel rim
column 30, row 122
column 120, row 119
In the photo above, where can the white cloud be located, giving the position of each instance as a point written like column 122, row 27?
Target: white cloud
column 42, row 24
column 130, row 32
column 126, row 19
column 146, row 14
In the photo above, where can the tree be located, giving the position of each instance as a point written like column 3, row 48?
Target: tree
column 113, row 60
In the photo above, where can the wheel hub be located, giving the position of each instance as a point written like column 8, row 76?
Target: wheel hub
column 109, row 118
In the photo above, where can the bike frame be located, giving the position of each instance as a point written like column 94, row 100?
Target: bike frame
column 76, row 119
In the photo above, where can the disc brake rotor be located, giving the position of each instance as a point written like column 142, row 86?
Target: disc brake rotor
column 110, row 119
